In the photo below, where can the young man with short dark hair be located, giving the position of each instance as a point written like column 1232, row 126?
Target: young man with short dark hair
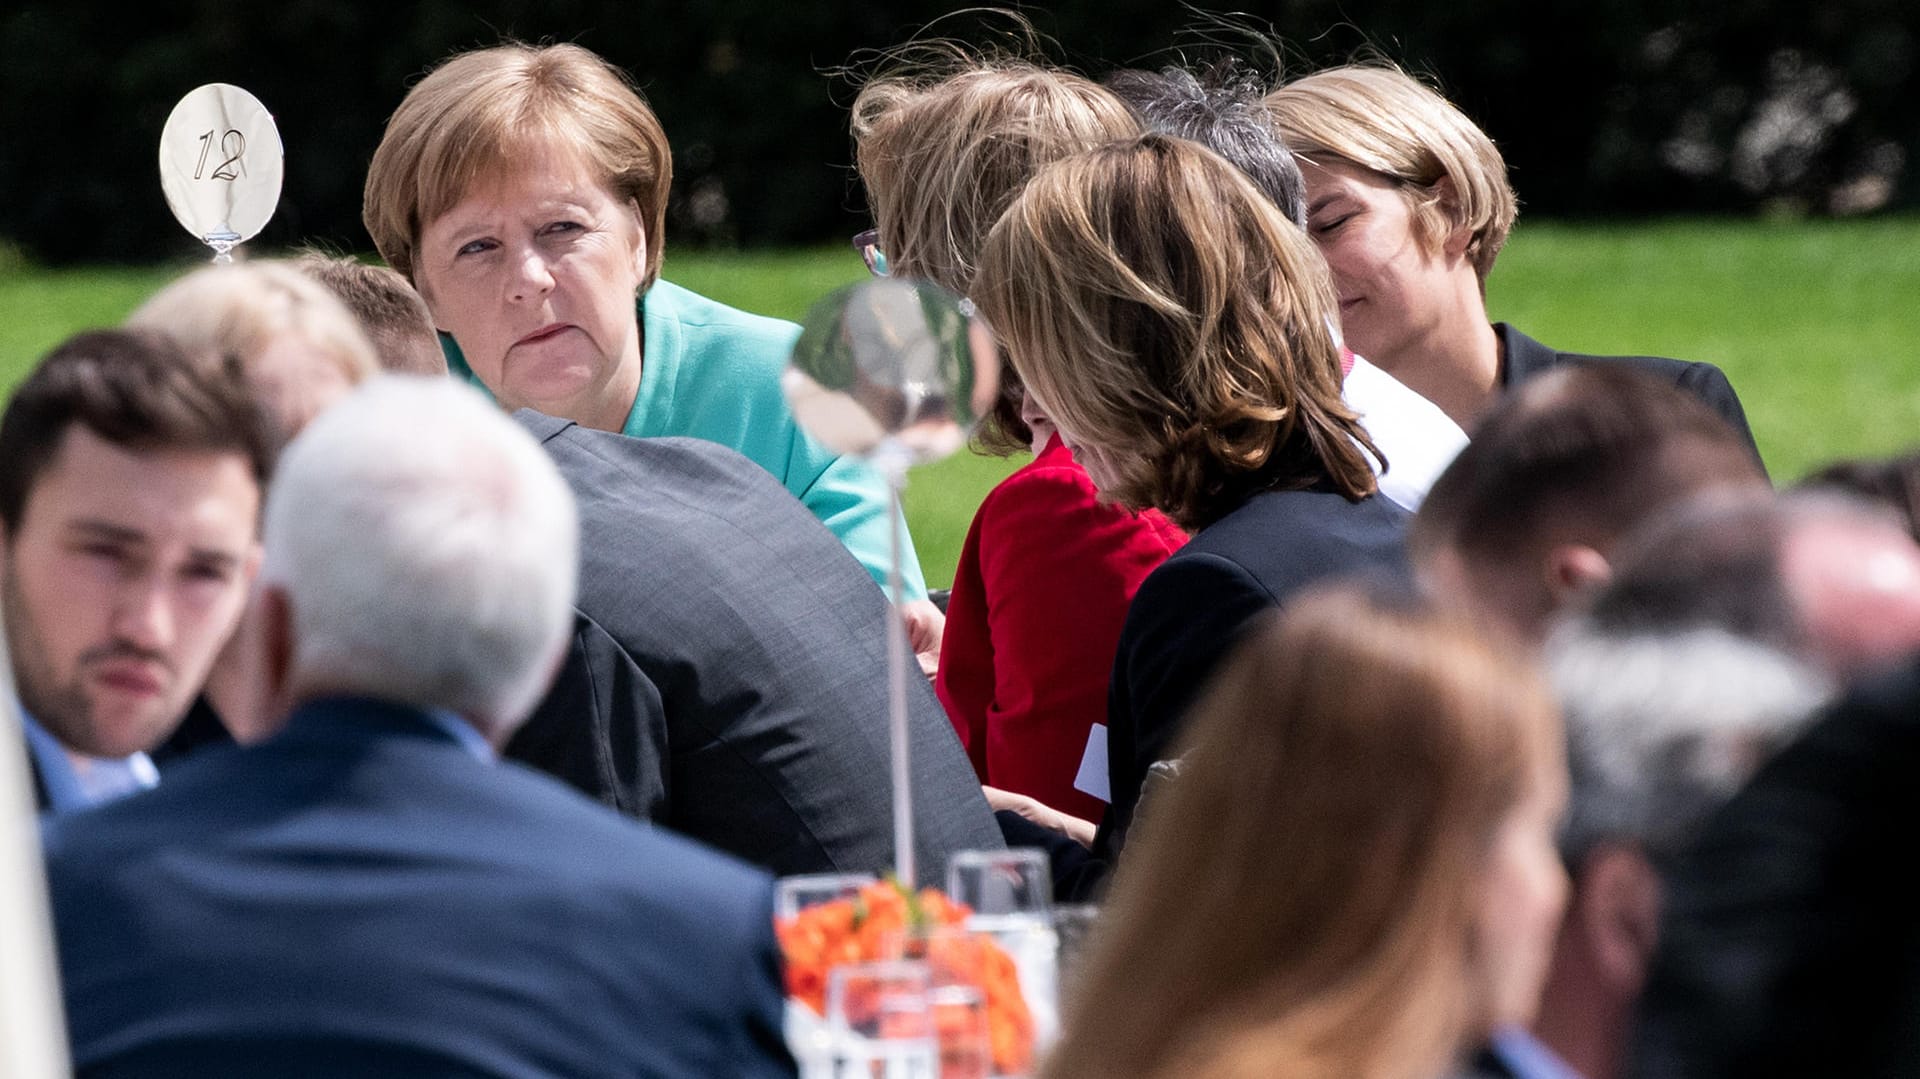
column 130, row 486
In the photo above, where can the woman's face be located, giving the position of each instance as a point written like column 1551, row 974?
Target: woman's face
column 1096, row 460
column 1393, row 291
column 1039, row 425
column 1526, row 893
column 535, row 275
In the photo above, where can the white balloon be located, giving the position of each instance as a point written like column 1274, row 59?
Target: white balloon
column 221, row 165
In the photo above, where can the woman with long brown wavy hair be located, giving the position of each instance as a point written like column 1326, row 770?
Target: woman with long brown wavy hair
column 1177, row 328
column 1354, row 875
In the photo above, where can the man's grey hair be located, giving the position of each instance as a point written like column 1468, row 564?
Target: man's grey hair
column 429, row 550
column 1222, row 108
column 1664, row 727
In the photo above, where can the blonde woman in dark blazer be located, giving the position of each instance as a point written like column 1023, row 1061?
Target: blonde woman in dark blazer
column 1408, row 200
column 1353, row 877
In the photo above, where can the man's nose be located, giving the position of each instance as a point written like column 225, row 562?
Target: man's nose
column 144, row 615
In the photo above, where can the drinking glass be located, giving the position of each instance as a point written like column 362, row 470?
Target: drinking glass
column 997, row 884
column 791, row 895
column 880, row 1018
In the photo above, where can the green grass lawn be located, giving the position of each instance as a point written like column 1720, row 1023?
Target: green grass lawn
column 1816, row 324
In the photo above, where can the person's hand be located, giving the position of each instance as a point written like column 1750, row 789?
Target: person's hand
column 1037, row 812
column 925, row 626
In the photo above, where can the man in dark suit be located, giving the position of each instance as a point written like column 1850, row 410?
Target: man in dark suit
column 727, row 675
column 368, row 892
column 130, row 477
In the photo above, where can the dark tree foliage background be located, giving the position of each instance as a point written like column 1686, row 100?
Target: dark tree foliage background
column 1628, row 107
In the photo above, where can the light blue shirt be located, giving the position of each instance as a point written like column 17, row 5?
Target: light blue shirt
column 75, row 780
column 461, row 731
column 1526, row 1058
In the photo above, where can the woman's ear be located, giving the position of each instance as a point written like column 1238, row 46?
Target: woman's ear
column 640, row 249
column 1457, row 235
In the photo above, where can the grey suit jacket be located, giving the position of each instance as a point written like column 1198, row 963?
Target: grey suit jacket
column 727, row 676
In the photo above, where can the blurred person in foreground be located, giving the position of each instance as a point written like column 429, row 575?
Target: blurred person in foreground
column 1220, row 107
column 1789, row 946
column 369, row 891
column 1679, row 677
column 1173, row 324
column 1526, row 519
column 1355, row 873
column 1047, row 570
column 523, row 191
column 1775, row 952
column 1893, row 482
column 130, row 488
column 1408, row 199
column 394, row 317
column 300, row 349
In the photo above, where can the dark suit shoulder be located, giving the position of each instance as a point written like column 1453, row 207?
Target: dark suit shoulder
column 1526, row 358
column 1191, row 611
column 1285, row 539
column 438, row 909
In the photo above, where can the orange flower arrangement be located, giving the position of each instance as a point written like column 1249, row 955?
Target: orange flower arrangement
column 882, row 921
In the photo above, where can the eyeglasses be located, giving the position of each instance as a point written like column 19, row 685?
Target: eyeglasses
column 868, row 244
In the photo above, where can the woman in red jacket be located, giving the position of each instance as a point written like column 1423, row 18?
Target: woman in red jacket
column 1047, row 572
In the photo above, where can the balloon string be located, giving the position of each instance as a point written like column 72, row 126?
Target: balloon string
column 896, row 475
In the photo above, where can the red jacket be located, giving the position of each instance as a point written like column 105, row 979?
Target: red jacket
column 1033, row 621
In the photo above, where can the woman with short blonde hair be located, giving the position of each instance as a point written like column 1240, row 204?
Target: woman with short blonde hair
column 522, row 189
column 1380, row 119
column 1177, row 328
column 1408, row 200
column 1354, row 874
column 943, row 146
column 483, row 112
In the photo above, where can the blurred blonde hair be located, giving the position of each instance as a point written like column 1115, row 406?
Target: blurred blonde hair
column 1383, row 120
column 1305, row 903
column 1165, row 312
column 244, row 310
column 489, row 112
column 946, row 143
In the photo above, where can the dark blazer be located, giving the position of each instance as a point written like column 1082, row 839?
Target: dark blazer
column 1790, row 944
column 1526, row 358
column 728, row 673
column 361, row 895
column 1190, row 612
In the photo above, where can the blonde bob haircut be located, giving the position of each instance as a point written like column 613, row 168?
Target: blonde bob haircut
column 944, row 147
column 941, row 155
column 490, row 112
column 1167, row 314
column 244, row 309
column 1306, row 902
column 1383, row 120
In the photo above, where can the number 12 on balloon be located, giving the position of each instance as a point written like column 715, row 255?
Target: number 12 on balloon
column 234, row 145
